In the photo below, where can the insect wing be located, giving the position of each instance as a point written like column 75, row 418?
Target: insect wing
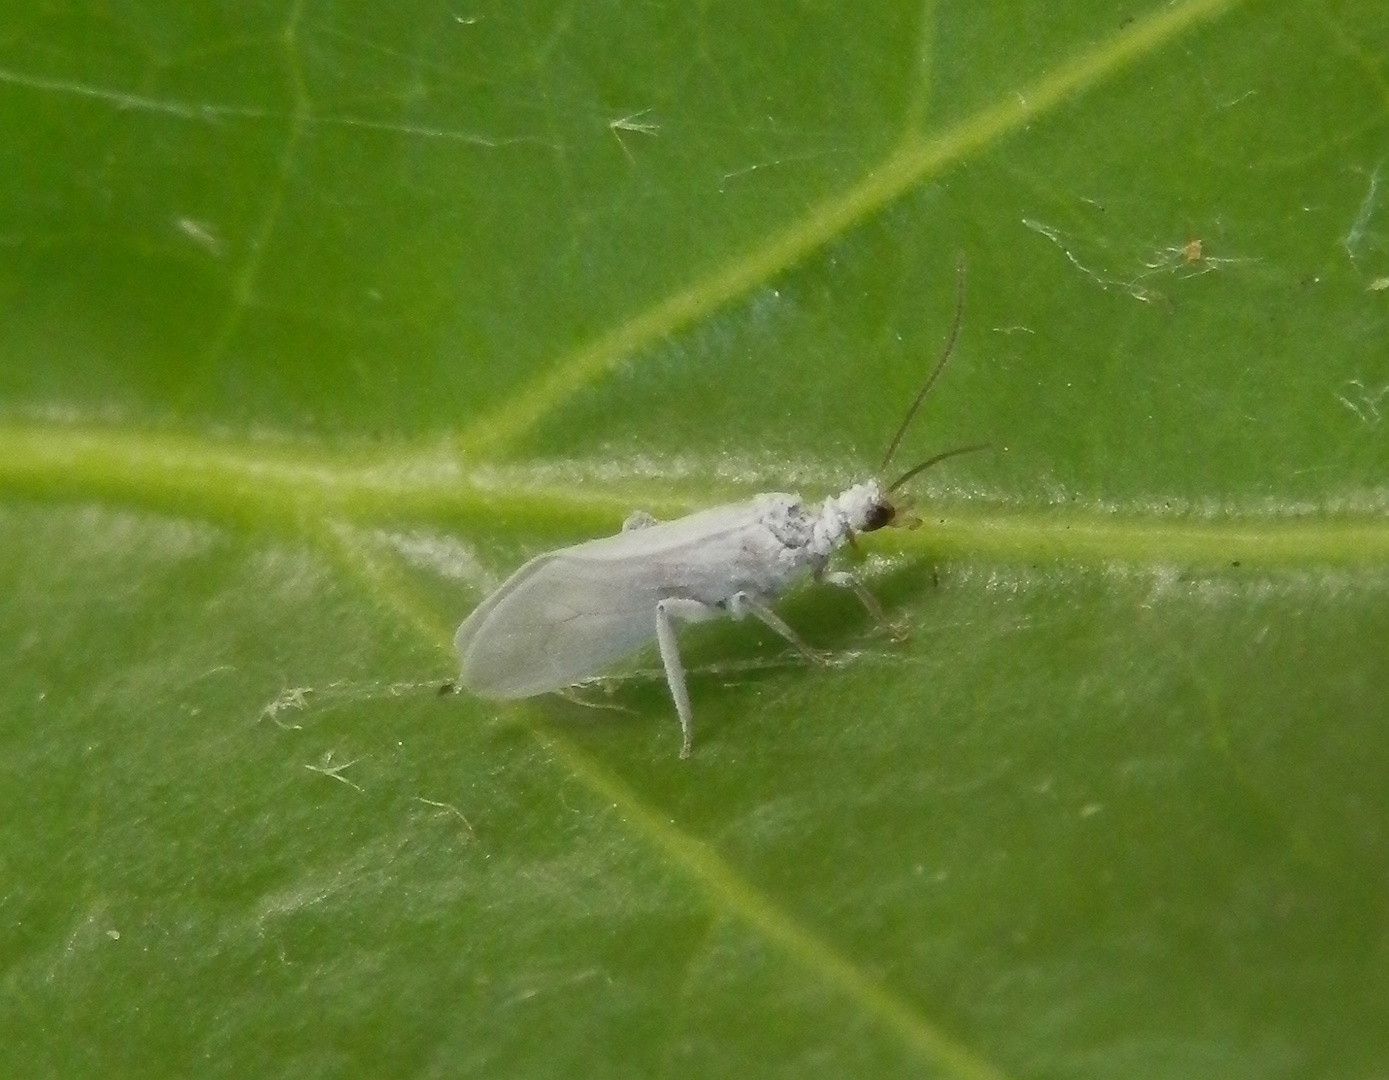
column 557, row 621
column 566, row 616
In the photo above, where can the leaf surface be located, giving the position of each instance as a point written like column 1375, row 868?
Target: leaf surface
column 320, row 319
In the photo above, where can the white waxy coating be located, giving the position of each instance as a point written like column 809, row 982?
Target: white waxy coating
column 567, row 615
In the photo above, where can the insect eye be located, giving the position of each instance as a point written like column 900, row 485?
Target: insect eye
column 879, row 514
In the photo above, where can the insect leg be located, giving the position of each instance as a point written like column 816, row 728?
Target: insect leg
column 667, row 611
column 846, row 580
column 740, row 602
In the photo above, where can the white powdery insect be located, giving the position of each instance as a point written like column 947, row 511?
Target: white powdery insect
column 567, row 615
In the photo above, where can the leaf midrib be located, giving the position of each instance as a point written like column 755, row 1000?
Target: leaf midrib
column 282, row 488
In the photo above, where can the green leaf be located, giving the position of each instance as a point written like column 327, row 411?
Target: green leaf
column 321, row 319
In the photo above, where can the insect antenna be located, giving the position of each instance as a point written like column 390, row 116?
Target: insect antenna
column 935, row 460
column 931, row 380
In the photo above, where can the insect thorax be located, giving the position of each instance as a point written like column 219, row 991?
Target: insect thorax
column 811, row 535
